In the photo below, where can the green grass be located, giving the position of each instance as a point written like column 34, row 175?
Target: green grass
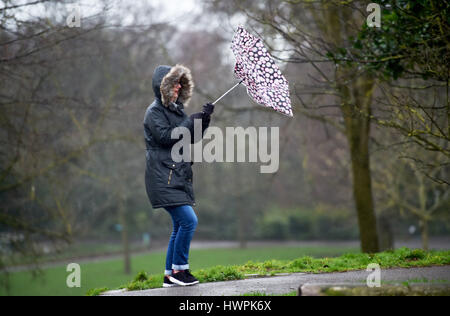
column 211, row 265
column 109, row 274
column 413, row 281
column 389, row 290
column 78, row 250
column 403, row 257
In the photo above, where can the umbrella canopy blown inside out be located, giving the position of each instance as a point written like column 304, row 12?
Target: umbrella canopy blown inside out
column 256, row 68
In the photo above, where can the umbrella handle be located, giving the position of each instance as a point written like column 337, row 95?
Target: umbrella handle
column 227, row 92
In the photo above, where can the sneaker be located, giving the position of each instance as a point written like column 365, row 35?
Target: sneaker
column 183, row 278
column 191, row 277
column 168, row 283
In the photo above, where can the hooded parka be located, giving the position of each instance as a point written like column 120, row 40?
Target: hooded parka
column 168, row 183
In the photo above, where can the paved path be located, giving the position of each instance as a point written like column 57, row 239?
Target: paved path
column 289, row 283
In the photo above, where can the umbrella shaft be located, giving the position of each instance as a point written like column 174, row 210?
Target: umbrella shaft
column 227, row 92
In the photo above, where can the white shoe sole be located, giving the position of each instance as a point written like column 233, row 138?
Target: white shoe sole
column 169, row 285
column 182, row 283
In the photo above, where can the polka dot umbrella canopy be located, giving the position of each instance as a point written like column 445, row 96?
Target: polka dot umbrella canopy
column 258, row 71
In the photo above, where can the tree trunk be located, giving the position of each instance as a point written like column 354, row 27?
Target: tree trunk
column 125, row 240
column 242, row 225
column 424, row 232
column 356, row 98
column 362, row 192
column 355, row 92
column 422, row 211
column 386, row 236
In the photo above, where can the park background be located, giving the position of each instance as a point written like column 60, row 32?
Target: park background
column 364, row 163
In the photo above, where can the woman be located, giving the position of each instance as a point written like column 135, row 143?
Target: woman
column 169, row 183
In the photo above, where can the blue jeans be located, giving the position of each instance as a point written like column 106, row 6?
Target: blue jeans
column 184, row 223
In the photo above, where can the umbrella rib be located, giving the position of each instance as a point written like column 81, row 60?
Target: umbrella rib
column 228, row 91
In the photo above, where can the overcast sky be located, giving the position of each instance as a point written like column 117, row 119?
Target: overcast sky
column 172, row 11
column 185, row 13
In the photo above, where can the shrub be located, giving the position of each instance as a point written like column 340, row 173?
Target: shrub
column 321, row 223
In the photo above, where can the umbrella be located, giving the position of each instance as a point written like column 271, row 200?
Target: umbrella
column 265, row 83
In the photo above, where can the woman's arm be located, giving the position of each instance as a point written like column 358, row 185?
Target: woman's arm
column 206, row 119
column 205, row 115
column 162, row 130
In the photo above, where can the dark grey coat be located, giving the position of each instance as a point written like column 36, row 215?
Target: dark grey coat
column 168, row 183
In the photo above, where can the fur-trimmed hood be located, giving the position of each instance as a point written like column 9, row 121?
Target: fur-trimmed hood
column 164, row 79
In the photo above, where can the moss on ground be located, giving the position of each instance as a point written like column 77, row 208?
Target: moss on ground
column 390, row 290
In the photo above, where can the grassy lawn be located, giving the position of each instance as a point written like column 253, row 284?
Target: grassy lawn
column 109, row 274
column 402, row 257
